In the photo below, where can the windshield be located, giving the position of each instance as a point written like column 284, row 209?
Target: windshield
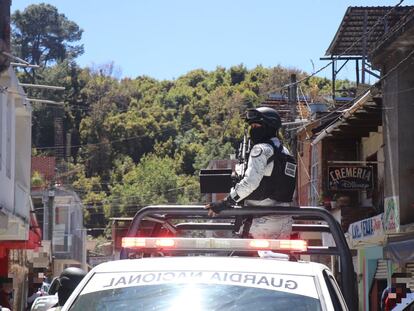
column 198, row 291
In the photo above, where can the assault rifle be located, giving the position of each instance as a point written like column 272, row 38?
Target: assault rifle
column 221, row 180
column 242, row 157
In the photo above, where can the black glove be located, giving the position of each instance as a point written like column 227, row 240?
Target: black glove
column 219, row 206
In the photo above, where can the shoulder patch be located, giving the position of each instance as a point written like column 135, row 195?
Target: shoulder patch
column 256, row 151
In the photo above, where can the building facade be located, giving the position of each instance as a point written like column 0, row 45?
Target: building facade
column 356, row 160
column 18, row 231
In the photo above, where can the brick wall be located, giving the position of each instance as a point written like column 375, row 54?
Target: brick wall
column 45, row 166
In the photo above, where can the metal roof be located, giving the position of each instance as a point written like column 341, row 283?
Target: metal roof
column 349, row 38
column 363, row 117
column 282, row 97
column 400, row 37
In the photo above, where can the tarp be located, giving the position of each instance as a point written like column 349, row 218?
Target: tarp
column 400, row 252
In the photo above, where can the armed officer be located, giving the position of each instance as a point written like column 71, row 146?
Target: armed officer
column 67, row 282
column 269, row 179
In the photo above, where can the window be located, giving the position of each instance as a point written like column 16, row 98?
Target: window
column 314, row 195
column 187, row 296
column 62, row 239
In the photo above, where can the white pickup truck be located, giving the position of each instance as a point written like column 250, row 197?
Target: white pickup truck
column 207, row 283
column 193, row 274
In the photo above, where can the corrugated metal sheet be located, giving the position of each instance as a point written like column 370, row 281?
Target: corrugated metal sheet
column 382, row 271
column 349, row 40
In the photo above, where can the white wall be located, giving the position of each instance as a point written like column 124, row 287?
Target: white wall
column 6, row 182
column 15, row 150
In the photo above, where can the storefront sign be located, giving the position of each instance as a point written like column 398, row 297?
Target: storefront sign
column 350, row 177
column 367, row 229
column 392, row 214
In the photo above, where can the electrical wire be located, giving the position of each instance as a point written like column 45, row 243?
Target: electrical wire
column 370, row 88
column 183, row 126
column 292, row 84
column 344, row 52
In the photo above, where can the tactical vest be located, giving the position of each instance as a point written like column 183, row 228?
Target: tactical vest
column 280, row 185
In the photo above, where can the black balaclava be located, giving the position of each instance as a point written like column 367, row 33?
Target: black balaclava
column 261, row 134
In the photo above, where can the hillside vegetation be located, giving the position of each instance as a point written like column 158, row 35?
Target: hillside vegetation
column 135, row 141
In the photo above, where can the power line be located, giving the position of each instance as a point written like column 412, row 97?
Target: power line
column 183, row 126
column 344, row 52
column 286, row 86
column 380, row 80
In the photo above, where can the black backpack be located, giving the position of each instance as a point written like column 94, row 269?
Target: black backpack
column 280, row 185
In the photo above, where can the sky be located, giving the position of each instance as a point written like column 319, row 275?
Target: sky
column 165, row 39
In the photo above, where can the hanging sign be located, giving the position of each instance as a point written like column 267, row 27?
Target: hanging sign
column 350, row 177
column 392, row 214
column 367, row 230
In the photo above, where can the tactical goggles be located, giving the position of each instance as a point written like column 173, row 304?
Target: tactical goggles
column 253, row 115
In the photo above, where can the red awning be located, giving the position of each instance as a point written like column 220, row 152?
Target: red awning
column 33, row 242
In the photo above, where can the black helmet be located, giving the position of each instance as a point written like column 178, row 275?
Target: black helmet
column 68, row 280
column 264, row 115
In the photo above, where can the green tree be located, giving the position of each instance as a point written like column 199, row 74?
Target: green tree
column 237, row 74
column 144, row 141
column 153, row 181
column 92, row 194
column 42, row 35
column 70, row 76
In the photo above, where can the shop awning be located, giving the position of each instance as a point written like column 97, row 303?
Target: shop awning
column 363, row 117
column 400, row 249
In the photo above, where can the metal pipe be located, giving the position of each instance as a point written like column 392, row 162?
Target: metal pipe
column 40, row 86
column 341, row 58
column 356, row 162
column 15, row 58
column 357, row 71
column 44, row 101
column 364, row 45
column 24, row 65
column 205, row 226
column 333, row 79
column 317, row 250
column 310, row 228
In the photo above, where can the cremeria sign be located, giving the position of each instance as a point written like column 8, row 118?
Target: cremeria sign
column 350, row 177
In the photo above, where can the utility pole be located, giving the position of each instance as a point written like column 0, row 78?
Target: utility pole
column 50, row 212
column 293, row 94
column 293, row 102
